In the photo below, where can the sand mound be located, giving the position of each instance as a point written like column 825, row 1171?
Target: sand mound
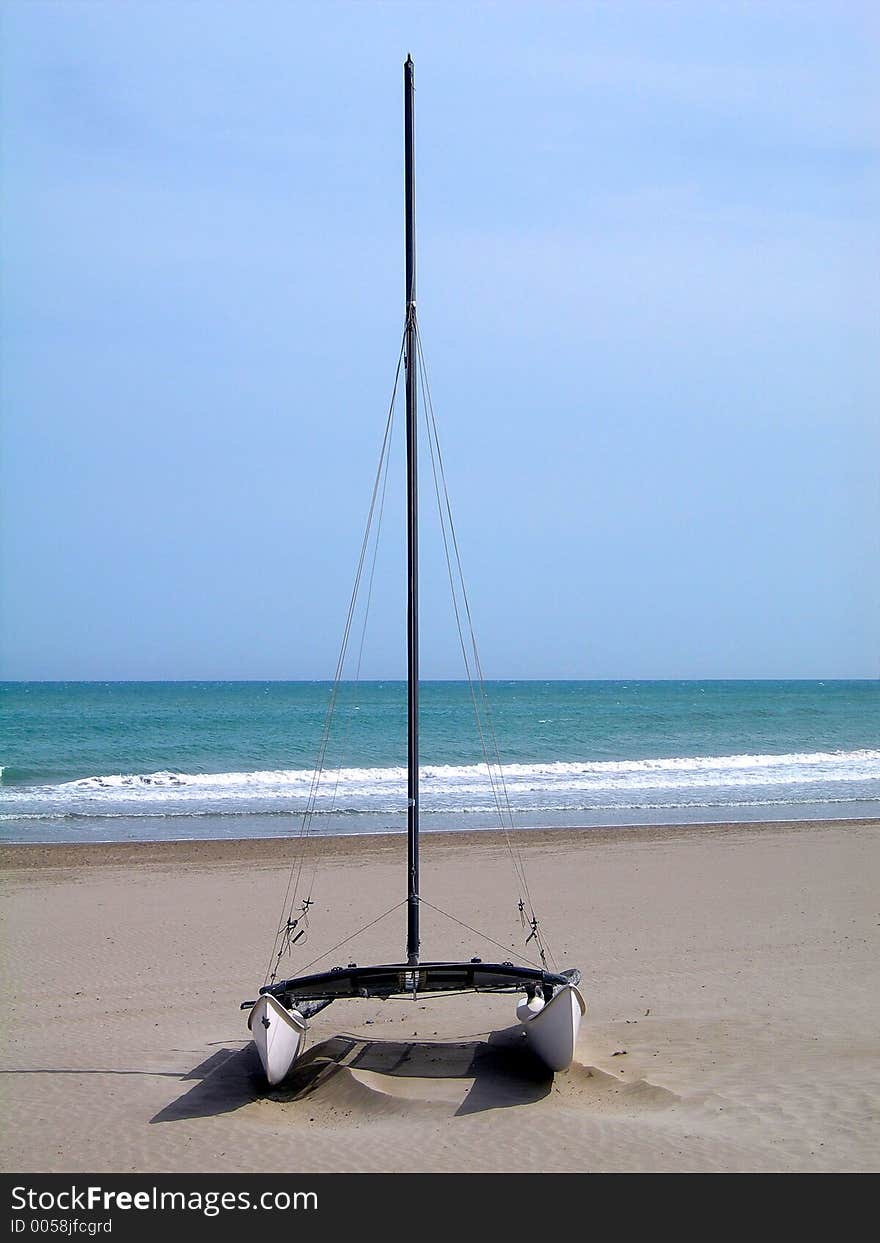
column 353, row 1078
column 346, row 1095
column 596, row 1090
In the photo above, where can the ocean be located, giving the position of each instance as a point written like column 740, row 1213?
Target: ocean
column 122, row 761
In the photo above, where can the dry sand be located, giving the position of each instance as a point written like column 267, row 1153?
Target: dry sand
column 730, row 974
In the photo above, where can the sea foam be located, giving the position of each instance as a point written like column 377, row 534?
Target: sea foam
column 687, row 781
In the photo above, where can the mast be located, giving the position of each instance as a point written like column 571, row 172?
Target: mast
column 412, row 510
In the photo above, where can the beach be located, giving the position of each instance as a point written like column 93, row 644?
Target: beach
column 730, row 974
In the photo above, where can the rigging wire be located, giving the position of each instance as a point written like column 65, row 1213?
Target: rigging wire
column 296, row 868
column 496, row 778
column 357, row 672
column 285, row 936
column 357, row 933
column 476, row 931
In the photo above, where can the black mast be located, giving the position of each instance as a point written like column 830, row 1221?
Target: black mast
column 412, row 510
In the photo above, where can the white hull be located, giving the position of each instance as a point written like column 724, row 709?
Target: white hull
column 552, row 1028
column 279, row 1035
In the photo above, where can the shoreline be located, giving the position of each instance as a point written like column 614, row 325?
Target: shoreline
column 278, row 850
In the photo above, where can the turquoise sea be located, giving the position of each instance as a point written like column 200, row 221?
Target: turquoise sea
column 106, row 761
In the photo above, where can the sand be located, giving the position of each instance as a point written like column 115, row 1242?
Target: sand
column 730, row 974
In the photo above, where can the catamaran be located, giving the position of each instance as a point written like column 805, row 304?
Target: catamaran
column 550, row 1005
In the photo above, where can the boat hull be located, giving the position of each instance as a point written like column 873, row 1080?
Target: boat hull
column 279, row 1034
column 552, row 1030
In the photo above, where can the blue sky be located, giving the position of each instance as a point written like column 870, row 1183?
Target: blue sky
column 647, row 291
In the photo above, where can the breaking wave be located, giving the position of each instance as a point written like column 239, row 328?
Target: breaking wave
column 683, row 782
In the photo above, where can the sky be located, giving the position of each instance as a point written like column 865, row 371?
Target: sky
column 647, row 291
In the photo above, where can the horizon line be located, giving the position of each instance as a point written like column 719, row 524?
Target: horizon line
column 402, row 680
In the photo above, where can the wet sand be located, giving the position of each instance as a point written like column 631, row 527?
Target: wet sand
column 730, row 973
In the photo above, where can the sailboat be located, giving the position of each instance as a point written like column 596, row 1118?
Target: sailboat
column 550, row 1005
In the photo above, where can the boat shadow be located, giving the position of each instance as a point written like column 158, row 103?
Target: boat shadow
column 496, row 1072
